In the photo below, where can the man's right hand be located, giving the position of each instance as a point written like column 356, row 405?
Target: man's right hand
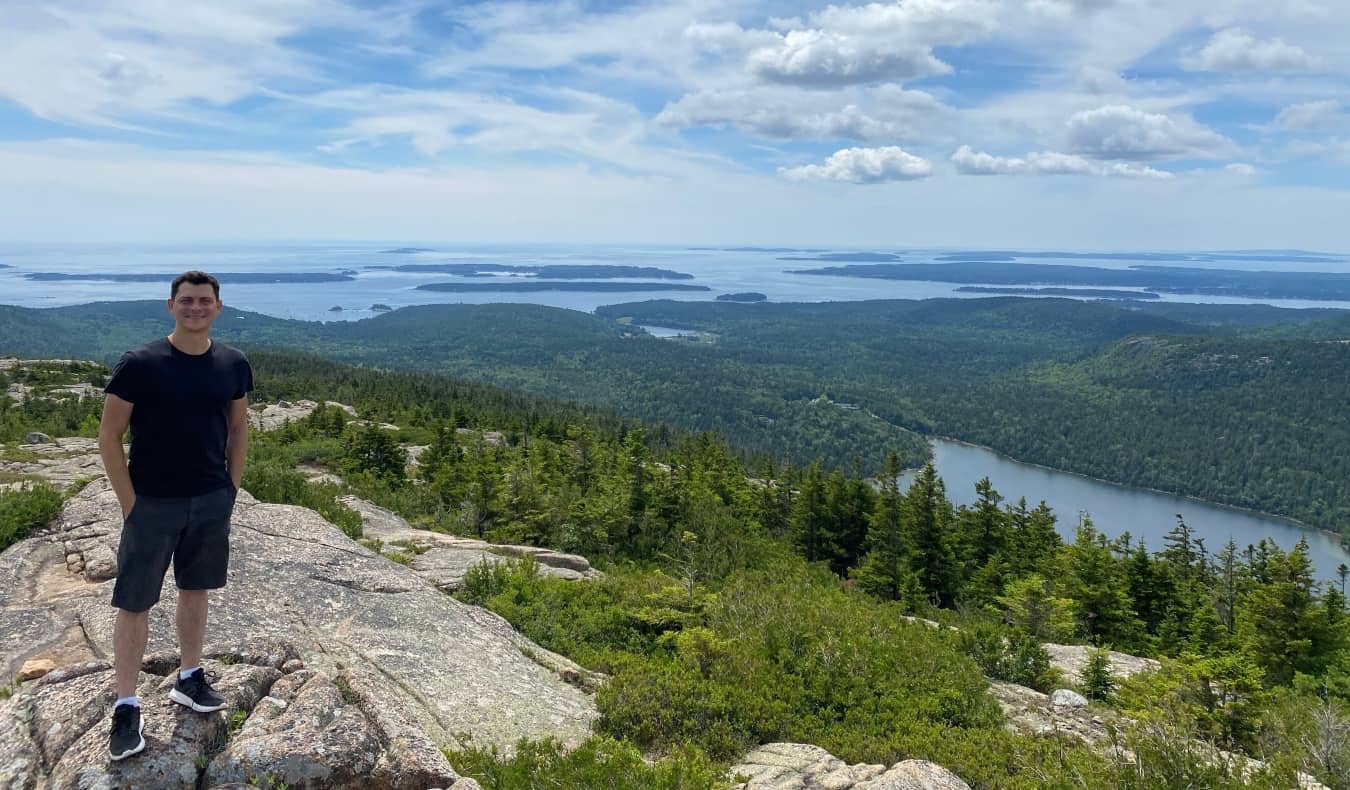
column 126, row 507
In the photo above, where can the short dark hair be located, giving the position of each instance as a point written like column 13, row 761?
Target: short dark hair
column 194, row 278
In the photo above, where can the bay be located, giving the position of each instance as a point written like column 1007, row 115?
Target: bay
column 722, row 271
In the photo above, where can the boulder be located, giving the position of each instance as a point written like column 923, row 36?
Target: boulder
column 780, row 766
column 1070, row 659
column 456, row 669
column 915, row 775
column 444, row 559
column 37, row 437
column 35, row 668
column 1067, row 698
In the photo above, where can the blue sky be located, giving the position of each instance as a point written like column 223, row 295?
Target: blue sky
column 1083, row 123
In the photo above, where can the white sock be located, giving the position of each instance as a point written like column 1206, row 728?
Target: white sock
column 183, row 673
column 128, row 701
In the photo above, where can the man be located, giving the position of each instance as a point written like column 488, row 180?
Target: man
column 184, row 397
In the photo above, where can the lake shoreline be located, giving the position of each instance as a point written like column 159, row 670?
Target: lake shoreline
column 1293, row 522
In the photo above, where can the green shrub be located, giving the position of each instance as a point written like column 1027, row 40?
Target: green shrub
column 1010, row 655
column 273, row 481
column 26, row 509
column 598, row 763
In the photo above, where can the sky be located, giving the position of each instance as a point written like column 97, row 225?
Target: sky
column 1083, row 124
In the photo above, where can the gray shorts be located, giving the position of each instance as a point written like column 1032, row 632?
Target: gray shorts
column 193, row 532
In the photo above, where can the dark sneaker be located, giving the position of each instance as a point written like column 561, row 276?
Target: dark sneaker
column 196, row 693
column 127, row 726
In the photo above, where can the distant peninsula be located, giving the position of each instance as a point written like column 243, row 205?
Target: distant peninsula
column 1083, row 293
column 744, row 296
column 5, row 266
column 1251, row 256
column 519, row 286
column 858, row 257
column 1331, row 286
column 561, row 271
column 405, row 251
column 779, row 250
column 224, row 277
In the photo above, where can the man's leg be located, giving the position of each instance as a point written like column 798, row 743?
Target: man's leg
column 192, row 607
column 130, row 632
column 200, row 564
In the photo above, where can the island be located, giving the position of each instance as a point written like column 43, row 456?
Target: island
column 1331, row 286
column 224, row 277
column 337, row 308
column 560, row 271
column 405, row 251
column 1081, row 293
column 381, row 308
column 5, row 266
column 745, row 296
column 521, row 286
column 858, row 257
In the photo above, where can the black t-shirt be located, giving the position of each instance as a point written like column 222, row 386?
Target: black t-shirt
column 180, row 419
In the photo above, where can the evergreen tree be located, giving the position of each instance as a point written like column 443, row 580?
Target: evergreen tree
column 810, row 521
column 930, row 519
column 1095, row 583
column 1030, row 605
column 1099, row 683
column 885, row 569
column 1282, row 622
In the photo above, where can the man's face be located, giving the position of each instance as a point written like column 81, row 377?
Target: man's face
column 194, row 307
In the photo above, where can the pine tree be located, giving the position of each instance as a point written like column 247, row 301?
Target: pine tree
column 810, row 528
column 930, row 518
column 1098, row 683
column 1094, row 581
column 885, row 569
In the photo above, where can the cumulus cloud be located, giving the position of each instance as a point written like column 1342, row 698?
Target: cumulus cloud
column 1124, row 132
column 978, row 163
column 1233, row 49
column 1311, row 115
column 877, row 42
column 864, row 166
column 884, row 113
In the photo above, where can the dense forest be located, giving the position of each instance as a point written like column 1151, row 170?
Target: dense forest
column 743, row 608
column 1235, row 404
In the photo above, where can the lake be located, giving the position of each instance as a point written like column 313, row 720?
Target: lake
column 1115, row 509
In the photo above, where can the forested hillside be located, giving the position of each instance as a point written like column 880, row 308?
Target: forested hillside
column 741, row 610
column 1235, row 404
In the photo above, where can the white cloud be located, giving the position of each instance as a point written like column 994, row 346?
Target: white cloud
column 117, row 64
column 726, row 36
column 1310, row 115
column 877, row 42
column 1240, row 169
column 970, row 162
column 864, row 166
column 1233, row 49
column 884, row 113
column 1125, row 132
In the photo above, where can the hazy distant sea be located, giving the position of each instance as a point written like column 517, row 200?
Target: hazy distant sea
column 722, row 272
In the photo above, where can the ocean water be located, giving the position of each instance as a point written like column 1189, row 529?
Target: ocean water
column 721, row 271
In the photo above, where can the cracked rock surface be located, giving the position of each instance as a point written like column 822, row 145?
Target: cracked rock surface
column 452, row 668
column 306, row 730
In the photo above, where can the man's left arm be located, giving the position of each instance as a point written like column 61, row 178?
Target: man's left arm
column 236, row 443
